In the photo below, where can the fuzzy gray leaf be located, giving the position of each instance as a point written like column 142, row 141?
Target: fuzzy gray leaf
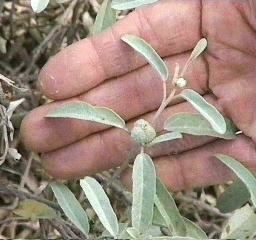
column 214, row 117
column 144, row 189
column 142, row 47
column 195, row 124
column 101, row 204
column 129, row 4
column 85, row 111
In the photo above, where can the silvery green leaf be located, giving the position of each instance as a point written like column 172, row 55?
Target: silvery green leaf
column 196, row 124
column 234, row 197
column 158, row 219
column 164, row 138
column 105, row 18
column 148, row 53
column 172, row 238
column 85, row 111
column 169, row 211
column 71, row 207
column 241, row 225
column 194, row 231
column 100, row 204
column 122, row 232
column 198, row 49
column 133, row 232
column 39, row 5
column 214, row 117
column 154, row 231
column 129, row 4
column 242, row 172
column 144, row 189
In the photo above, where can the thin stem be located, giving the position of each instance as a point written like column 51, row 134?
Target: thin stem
column 169, row 99
column 142, row 149
column 162, row 106
column 176, row 74
column 185, row 68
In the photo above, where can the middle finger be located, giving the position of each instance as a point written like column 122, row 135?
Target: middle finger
column 131, row 95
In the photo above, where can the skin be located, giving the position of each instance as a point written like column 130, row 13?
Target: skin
column 104, row 71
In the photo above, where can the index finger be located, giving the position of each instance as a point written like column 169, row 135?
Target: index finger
column 171, row 27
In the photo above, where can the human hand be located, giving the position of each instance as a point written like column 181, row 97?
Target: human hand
column 104, row 71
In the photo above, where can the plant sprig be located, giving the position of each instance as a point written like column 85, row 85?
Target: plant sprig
column 152, row 203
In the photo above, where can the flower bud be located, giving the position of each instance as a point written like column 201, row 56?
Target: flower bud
column 143, row 132
column 181, row 83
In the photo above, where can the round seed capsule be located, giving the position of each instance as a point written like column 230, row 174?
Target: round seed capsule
column 143, row 132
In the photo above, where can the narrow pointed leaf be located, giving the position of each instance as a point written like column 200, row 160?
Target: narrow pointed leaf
column 85, row 111
column 101, row 204
column 169, row 211
column 133, row 232
column 198, row 49
column 71, row 207
column 144, row 189
column 129, row 4
column 164, row 138
column 148, row 53
column 214, row 117
column 196, row 124
column 106, row 17
column 242, row 172
column 241, row 225
column 39, row 5
column 158, row 219
column 121, row 235
column 234, row 197
column 194, row 231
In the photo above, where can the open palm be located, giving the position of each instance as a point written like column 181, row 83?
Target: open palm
column 104, row 71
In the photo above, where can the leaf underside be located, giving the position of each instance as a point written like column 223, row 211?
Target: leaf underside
column 241, row 225
column 234, row 197
column 144, row 189
column 85, row 111
column 165, row 138
column 196, row 124
column 129, row 4
column 101, row 204
column 71, row 207
column 142, row 47
column 242, row 172
column 207, row 110
column 168, row 209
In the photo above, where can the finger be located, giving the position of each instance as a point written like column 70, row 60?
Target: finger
column 199, row 167
column 108, row 149
column 140, row 90
column 89, row 62
column 237, row 100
